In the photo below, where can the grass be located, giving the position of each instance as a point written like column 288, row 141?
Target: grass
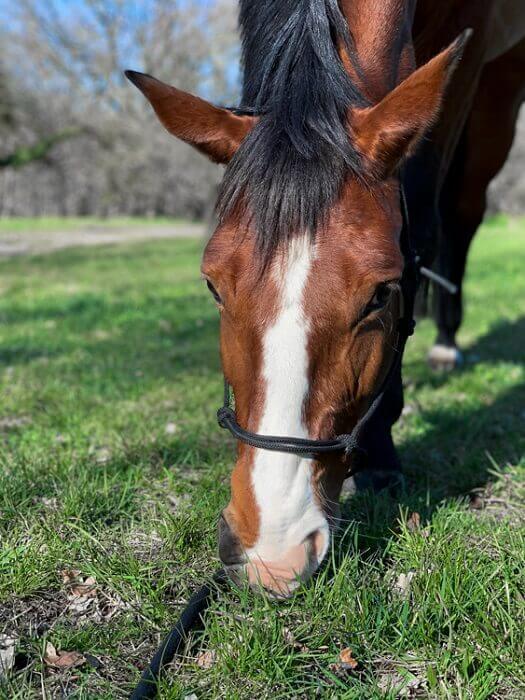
column 111, row 464
column 22, row 224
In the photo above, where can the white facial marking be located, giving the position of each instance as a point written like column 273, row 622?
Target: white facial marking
column 282, row 482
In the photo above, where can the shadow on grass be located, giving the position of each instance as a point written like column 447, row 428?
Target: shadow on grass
column 504, row 342
column 457, row 453
column 116, row 339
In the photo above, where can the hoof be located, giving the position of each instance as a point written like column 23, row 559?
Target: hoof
column 444, row 358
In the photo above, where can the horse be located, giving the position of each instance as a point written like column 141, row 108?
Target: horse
column 348, row 109
column 468, row 145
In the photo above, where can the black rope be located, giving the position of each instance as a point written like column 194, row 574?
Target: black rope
column 300, row 446
column 190, row 618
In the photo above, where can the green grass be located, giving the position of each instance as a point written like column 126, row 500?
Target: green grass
column 111, row 463
column 21, row 224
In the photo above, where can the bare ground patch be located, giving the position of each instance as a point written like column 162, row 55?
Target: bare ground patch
column 23, row 243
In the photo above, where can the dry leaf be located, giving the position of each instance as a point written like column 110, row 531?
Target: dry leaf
column 206, row 659
column 346, row 659
column 12, row 422
column 414, row 522
column 346, row 662
column 476, row 502
column 7, row 653
column 69, row 575
column 78, row 586
column 87, row 601
column 82, row 592
column 62, row 660
column 402, row 585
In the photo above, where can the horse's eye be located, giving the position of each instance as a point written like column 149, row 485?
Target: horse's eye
column 214, row 292
column 381, row 297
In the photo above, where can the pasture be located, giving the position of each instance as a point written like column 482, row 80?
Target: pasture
column 112, row 466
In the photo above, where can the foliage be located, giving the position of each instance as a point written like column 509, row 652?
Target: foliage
column 67, row 61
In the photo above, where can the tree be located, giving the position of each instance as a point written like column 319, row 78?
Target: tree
column 68, row 62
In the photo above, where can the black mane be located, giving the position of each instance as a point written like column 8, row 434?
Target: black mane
column 290, row 168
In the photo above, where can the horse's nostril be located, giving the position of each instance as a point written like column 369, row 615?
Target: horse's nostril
column 230, row 549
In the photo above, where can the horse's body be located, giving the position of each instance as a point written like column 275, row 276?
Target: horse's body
column 306, row 264
column 447, row 178
column 471, row 141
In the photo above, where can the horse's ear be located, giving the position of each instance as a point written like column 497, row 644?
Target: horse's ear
column 390, row 131
column 215, row 131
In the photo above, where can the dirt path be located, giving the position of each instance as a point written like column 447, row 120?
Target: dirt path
column 41, row 242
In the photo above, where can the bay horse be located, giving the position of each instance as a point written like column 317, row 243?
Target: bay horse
column 344, row 105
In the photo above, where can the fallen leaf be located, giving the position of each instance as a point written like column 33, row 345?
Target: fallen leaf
column 476, row 502
column 51, row 503
column 206, row 659
column 7, row 653
column 87, row 601
column 402, row 585
column 103, row 455
column 414, row 522
column 62, row 660
column 346, row 659
column 79, row 587
column 13, row 422
column 82, row 593
column 346, row 662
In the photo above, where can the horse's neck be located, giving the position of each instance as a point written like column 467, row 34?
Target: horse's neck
column 382, row 35
column 498, row 25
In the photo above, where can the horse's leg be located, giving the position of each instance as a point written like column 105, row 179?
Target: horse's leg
column 383, row 467
column 425, row 175
column 423, row 178
column 460, row 214
column 481, row 152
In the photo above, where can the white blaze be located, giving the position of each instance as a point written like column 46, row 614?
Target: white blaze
column 282, row 482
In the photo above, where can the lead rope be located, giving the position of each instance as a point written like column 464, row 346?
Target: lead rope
column 190, row 618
